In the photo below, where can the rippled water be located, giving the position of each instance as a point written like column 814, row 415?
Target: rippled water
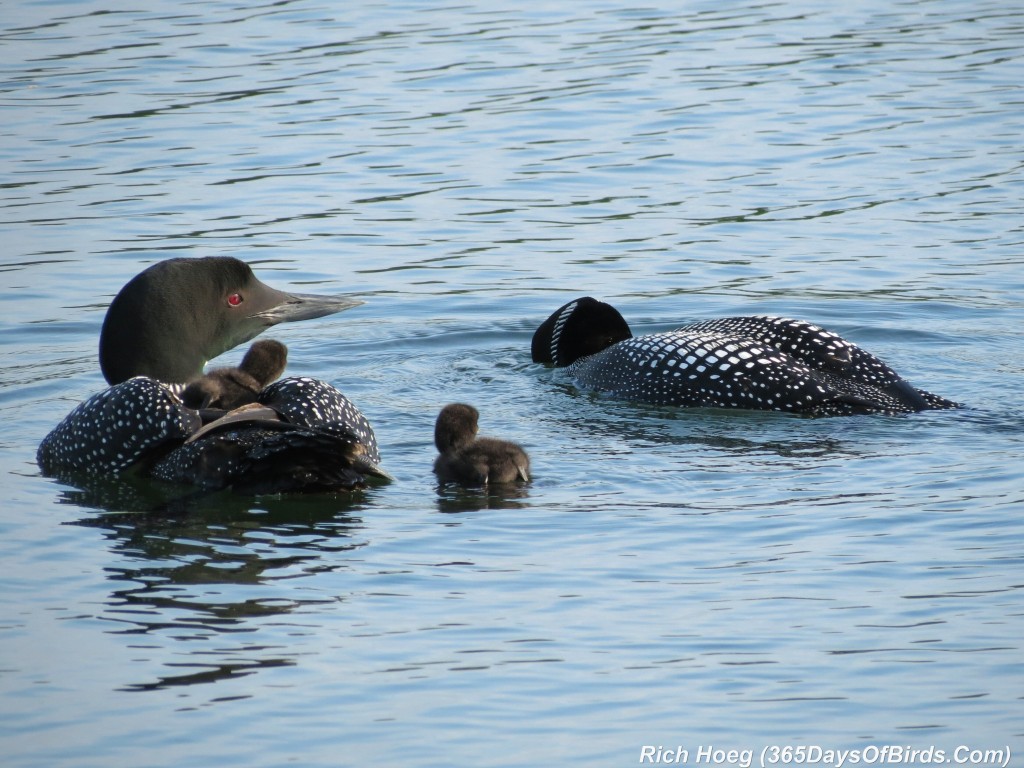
column 669, row 578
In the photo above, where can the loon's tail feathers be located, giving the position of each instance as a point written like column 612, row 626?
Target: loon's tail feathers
column 843, row 404
column 886, row 402
column 937, row 402
column 914, row 399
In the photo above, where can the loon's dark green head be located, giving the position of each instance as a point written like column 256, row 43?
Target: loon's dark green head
column 173, row 317
column 578, row 329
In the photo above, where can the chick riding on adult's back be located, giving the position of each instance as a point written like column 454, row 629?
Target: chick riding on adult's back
column 158, row 333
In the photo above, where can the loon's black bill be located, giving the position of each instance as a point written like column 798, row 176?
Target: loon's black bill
column 302, row 306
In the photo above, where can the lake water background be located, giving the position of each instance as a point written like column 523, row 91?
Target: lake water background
column 669, row 578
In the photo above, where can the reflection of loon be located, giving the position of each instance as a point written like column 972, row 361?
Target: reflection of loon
column 470, row 460
column 301, row 434
column 765, row 363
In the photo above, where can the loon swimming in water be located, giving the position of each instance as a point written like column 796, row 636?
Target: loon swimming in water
column 300, row 434
column 470, row 460
column 762, row 363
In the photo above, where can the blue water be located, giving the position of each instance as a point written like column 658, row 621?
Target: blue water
column 669, row 578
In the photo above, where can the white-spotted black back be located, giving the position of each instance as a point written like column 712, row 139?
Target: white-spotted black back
column 325, row 444
column 116, row 428
column 750, row 362
column 314, row 403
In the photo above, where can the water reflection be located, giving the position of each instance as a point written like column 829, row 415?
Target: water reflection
column 454, row 499
column 597, row 422
column 460, row 167
column 210, row 673
column 207, row 568
column 124, row 494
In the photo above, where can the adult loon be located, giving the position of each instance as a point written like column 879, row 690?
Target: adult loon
column 762, row 363
column 470, row 460
column 300, row 434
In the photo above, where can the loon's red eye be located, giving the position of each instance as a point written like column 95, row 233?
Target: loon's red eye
column 235, row 299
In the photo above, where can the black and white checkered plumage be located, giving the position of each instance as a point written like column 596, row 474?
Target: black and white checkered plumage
column 308, row 437
column 762, row 363
column 312, row 439
column 117, row 428
column 301, row 435
column 317, row 405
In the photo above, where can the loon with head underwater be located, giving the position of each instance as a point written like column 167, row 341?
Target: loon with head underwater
column 296, row 434
column 757, row 363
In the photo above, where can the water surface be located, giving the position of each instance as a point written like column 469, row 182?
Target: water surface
column 675, row 578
